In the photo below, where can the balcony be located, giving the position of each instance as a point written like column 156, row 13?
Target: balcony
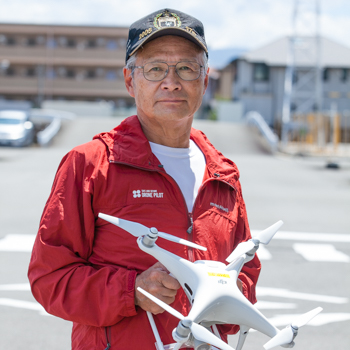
column 63, row 56
column 98, row 88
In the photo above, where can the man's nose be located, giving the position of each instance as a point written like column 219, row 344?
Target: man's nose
column 172, row 81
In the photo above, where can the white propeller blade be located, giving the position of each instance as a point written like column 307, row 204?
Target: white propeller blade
column 265, row 236
column 180, row 240
column 138, row 230
column 198, row 331
column 163, row 305
column 241, row 249
column 306, row 318
column 286, row 335
column 133, row 228
column 202, row 334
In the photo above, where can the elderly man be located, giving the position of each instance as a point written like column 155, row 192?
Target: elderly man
column 153, row 168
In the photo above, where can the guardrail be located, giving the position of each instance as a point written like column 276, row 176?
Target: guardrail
column 53, row 119
column 256, row 120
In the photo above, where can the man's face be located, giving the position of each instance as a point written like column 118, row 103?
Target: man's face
column 172, row 99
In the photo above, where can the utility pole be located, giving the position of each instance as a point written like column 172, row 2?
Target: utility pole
column 303, row 83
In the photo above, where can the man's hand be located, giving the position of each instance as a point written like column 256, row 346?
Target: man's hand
column 157, row 281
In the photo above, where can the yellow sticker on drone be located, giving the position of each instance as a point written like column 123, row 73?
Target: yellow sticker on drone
column 218, row 274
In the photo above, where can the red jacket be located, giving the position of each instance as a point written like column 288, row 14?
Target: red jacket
column 83, row 269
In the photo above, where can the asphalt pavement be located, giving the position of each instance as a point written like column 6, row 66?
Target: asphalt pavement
column 307, row 265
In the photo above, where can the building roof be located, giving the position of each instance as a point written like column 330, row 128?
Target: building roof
column 276, row 53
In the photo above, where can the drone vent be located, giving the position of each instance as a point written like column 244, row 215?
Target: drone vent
column 188, row 288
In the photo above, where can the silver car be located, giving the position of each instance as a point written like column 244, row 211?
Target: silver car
column 15, row 128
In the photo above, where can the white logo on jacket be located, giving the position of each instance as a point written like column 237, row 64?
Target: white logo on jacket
column 147, row 194
column 219, row 207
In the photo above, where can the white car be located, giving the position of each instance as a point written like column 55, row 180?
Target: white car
column 15, row 128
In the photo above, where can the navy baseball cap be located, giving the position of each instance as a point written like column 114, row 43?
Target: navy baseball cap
column 165, row 22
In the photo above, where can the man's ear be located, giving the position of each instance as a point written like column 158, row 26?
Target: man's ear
column 129, row 82
column 206, row 81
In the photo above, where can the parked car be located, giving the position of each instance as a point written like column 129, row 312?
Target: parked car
column 15, row 128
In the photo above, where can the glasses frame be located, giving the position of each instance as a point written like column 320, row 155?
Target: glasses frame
column 167, row 71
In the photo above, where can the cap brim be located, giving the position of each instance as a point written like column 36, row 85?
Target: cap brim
column 170, row 31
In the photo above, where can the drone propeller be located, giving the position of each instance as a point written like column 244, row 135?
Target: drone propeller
column 263, row 237
column 286, row 335
column 138, row 230
column 199, row 332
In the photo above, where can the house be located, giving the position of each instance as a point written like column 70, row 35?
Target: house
column 257, row 78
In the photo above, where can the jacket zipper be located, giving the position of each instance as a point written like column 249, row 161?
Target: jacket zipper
column 213, row 177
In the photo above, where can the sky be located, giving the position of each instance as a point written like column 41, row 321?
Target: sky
column 247, row 24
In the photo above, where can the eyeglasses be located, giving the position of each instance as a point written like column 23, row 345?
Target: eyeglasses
column 157, row 71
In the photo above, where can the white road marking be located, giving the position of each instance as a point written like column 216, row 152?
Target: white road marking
column 307, row 236
column 24, row 243
column 320, row 252
column 270, row 305
column 15, row 287
column 285, row 293
column 17, row 243
column 263, row 253
column 320, row 320
column 22, row 304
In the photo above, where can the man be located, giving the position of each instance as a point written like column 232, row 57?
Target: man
column 154, row 169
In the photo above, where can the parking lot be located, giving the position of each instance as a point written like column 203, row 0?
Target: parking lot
column 307, row 265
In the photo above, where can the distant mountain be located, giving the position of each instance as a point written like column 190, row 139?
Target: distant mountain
column 220, row 58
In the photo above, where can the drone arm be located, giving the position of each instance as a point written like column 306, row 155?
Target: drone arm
column 182, row 269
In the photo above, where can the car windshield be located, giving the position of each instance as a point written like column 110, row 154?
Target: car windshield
column 10, row 121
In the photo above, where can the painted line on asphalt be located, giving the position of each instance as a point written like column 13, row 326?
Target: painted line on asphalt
column 320, row 252
column 22, row 304
column 24, row 243
column 320, row 320
column 17, row 243
column 271, row 305
column 15, row 287
column 285, row 293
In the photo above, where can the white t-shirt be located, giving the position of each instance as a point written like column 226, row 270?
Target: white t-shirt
column 185, row 165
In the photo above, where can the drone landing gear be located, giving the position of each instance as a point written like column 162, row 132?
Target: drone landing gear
column 242, row 336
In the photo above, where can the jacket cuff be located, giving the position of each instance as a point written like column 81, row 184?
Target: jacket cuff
column 129, row 296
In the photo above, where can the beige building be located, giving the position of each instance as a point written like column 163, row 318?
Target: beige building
column 54, row 62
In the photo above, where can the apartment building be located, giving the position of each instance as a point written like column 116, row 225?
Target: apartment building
column 256, row 78
column 59, row 62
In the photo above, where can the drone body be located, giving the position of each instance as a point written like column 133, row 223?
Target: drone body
column 211, row 287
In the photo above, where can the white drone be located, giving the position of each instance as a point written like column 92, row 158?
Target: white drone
column 211, row 287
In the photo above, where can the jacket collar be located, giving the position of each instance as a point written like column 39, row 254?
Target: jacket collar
column 127, row 144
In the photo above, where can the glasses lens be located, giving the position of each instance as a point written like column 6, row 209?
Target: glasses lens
column 188, row 70
column 155, row 71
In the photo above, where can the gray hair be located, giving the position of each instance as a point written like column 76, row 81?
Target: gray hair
column 131, row 62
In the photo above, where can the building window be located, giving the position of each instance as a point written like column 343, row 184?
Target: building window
column 91, row 43
column 111, row 75
column 31, row 42
column 326, row 74
column 112, row 45
column 50, row 73
column 51, row 43
column 71, row 42
column 10, row 41
column 31, row 72
column 344, row 75
column 261, row 72
column 10, row 71
column 70, row 73
column 91, row 74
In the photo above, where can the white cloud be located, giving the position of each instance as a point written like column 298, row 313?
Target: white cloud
column 228, row 23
